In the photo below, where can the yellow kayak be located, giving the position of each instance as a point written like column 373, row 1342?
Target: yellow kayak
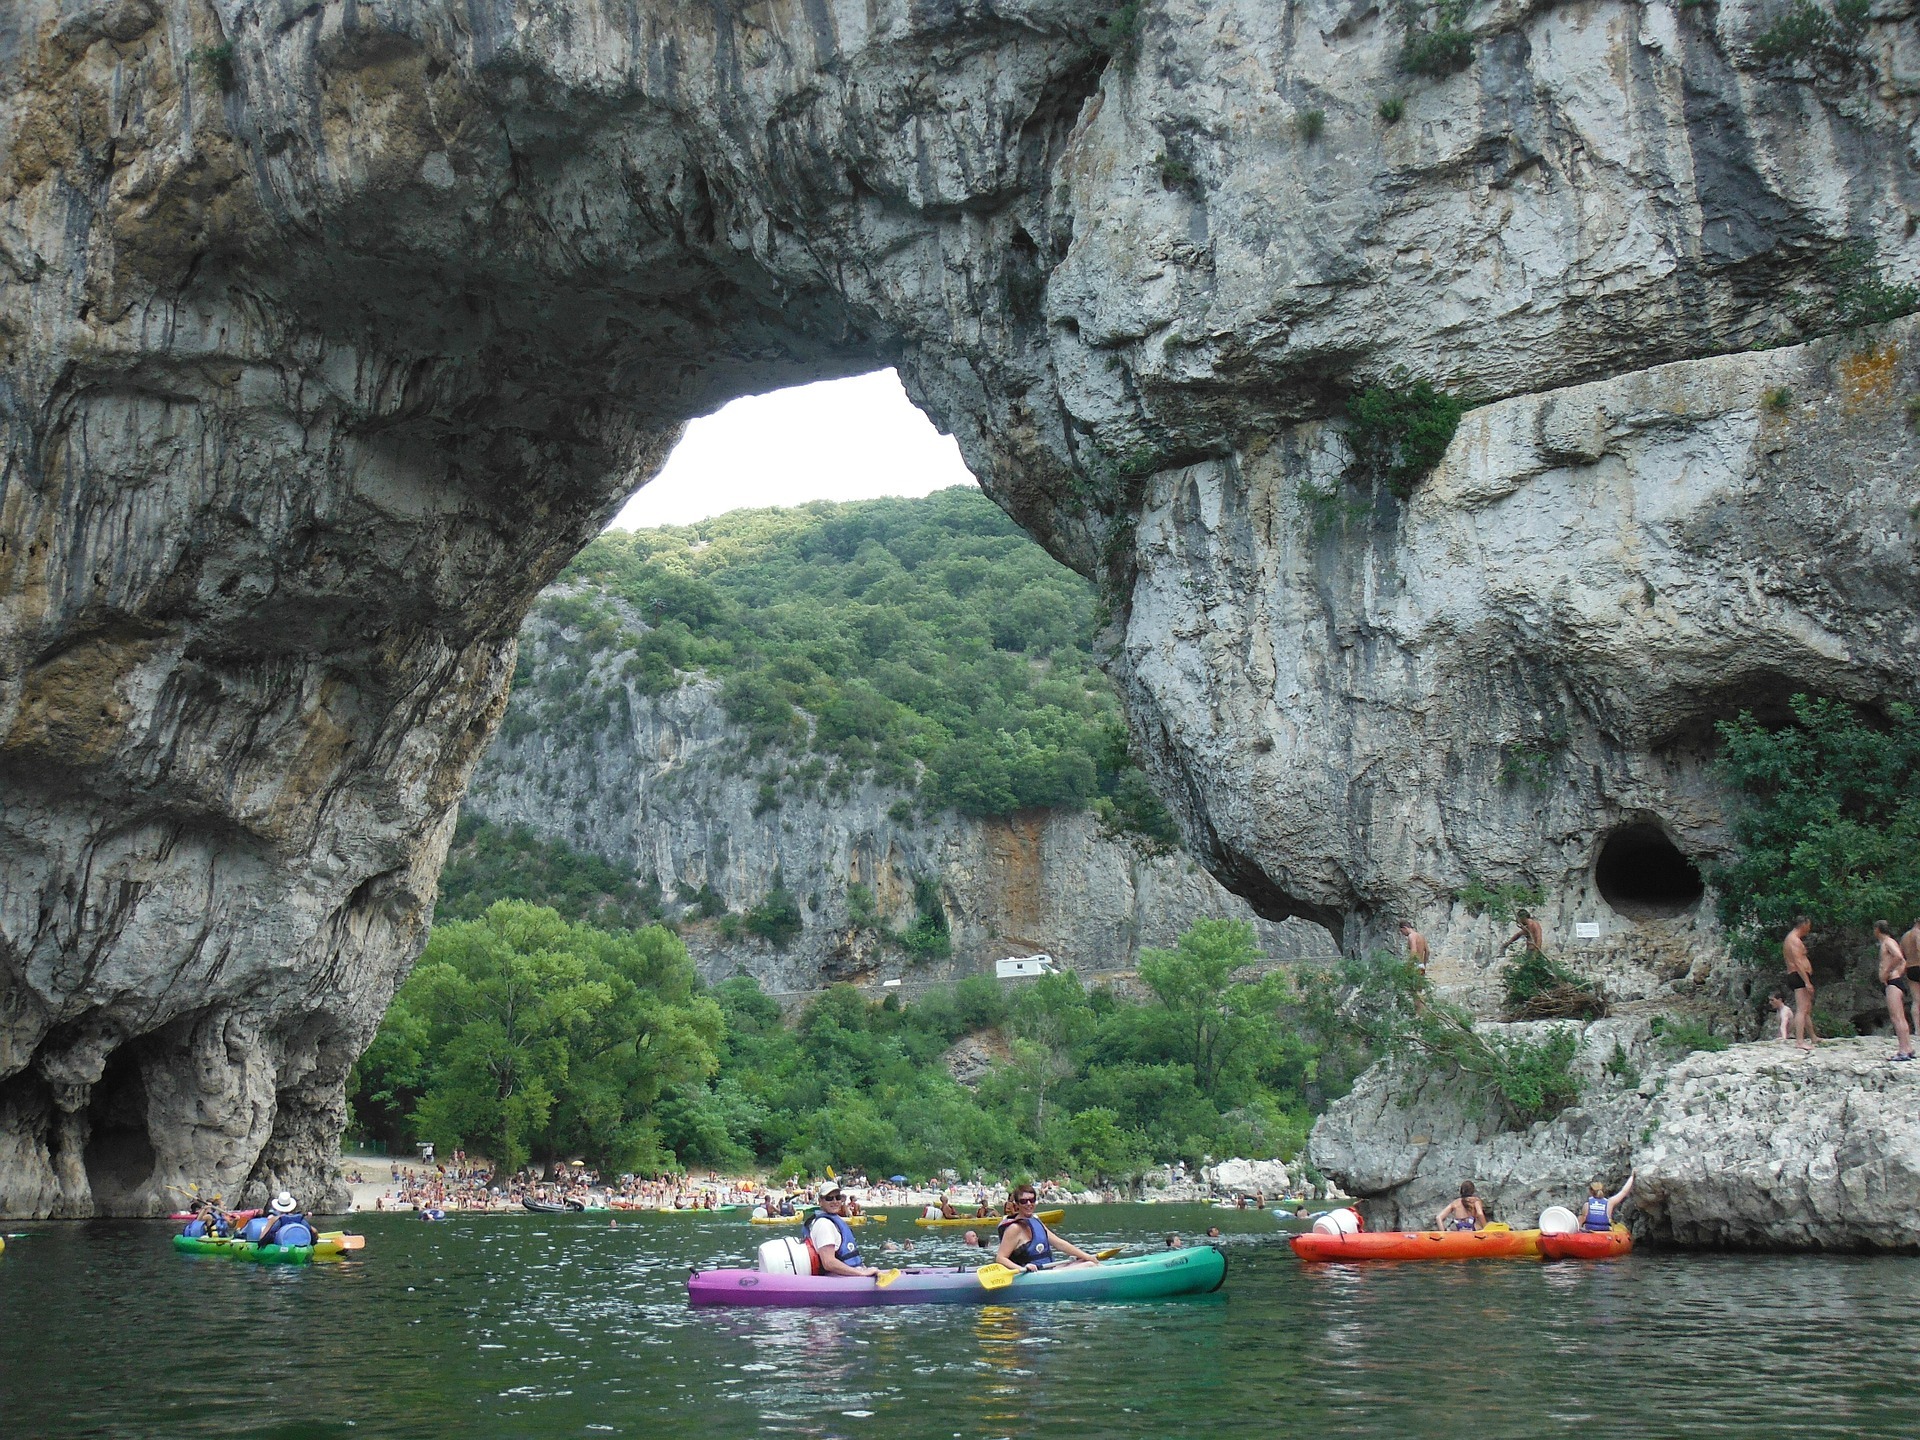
column 1046, row 1217
column 796, row 1219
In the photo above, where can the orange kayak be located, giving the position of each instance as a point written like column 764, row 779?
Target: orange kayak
column 1587, row 1244
column 1419, row 1245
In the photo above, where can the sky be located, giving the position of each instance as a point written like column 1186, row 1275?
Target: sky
column 849, row 439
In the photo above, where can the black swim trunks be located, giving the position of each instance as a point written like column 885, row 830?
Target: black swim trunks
column 1913, row 974
column 1796, row 981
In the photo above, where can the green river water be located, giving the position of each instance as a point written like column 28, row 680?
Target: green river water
column 534, row 1326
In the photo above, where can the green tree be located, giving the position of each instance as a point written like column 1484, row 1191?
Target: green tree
column 1826, row 824
column 542, row 1036
column 1219, row 1023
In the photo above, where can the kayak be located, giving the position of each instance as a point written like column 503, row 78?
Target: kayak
column 1419, row 1245
column 239, row 1217
column 1587, row 1244
column 552, row 1207
column 1046, row 1217
column 796, row 1219
column 329, row 1248
column 1191, row 1271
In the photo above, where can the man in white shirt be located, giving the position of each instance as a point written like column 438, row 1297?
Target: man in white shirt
column 832, row 1238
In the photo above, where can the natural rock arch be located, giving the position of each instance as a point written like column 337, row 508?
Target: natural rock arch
column 328, row 331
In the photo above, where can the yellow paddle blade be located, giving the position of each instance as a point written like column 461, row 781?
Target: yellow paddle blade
column 1108, row 1254
column 995, row 1276
column 885, row 1278
column 340, row 1240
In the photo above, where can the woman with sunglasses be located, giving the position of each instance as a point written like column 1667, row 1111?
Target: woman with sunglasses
column 1026, row 1243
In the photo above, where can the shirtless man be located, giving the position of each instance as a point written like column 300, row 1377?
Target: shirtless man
column 1419, row 954
column 1530, row 932
column 1893, row 978
column 1800, row 981
column 1466, row 1213
column 1910, row 949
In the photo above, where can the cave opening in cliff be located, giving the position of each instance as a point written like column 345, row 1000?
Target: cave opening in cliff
column 119, row 1155
column 1642, row 875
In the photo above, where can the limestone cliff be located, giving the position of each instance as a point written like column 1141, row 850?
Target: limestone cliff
column 662, row 783
column 328, row 330
column 1757, row 1146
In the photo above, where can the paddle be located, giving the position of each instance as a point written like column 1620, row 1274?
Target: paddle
column 340, row 1240
column 1108, row 1254
column 995, row 1276
column 885, row 1278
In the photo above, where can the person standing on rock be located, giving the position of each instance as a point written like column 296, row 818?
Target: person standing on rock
column 1910, row 952
column 1893, row 977
column 1417, row 949
column 1529, row 931
column 1800, row 980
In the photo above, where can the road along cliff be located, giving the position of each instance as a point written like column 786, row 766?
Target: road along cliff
column 329, row 330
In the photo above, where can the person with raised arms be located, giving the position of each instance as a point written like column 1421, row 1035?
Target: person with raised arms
column 1597, row 1211
column 1025, row 1241
column 832, row 1239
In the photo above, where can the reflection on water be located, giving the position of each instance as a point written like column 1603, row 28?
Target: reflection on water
column 511, row 1327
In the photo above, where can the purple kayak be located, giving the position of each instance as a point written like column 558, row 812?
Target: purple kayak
column 1192, row 1271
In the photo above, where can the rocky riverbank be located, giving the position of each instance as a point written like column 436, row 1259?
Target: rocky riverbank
column 1756, row 1147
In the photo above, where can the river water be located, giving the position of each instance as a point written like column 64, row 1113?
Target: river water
column 534, row 1326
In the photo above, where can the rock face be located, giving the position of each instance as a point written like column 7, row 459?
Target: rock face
column 1753, row 1147
column 660, row 783
column 327, row 331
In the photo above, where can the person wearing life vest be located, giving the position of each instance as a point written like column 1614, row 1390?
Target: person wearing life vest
column 197, row 1227
column 1026, row 1243
column 830, row 1238
column 1597, row 1212
column 285, row 1225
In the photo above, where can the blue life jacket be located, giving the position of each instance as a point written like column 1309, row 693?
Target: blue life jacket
column 222, row 1226
column 196, row 1230
column 1036, row 1249
column 1596, row 1217
column 256, row 1227
column 847, row 1252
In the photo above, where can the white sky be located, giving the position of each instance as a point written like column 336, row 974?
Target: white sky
column 838, row 440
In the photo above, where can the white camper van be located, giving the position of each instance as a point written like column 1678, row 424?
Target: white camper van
column 1012, row 969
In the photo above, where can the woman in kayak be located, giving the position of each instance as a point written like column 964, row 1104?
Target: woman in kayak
column 1466, row 1213
column 1026, row 1243
column 1597, row 1212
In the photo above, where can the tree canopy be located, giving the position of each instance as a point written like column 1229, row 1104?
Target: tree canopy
column 1827, row 824
column 928, row 643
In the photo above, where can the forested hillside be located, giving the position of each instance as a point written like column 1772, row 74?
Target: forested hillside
column 925, row 644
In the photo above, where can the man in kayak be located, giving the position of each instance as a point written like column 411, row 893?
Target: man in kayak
column 1025, row 1242
column 287, row 1226
column 1800, row 981
column 1597, row 1212
column 831, row 1238
column 1466, row 1213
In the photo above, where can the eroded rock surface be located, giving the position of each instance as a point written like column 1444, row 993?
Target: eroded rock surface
column 327, row 332
column 1758, row 1146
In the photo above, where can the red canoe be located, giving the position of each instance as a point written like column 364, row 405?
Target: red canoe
column 239, row 1217
column 1587, row 1244
column 1419, row 1245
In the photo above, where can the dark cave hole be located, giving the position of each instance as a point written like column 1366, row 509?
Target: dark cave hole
column 119, row 1155
column 1643, row 875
